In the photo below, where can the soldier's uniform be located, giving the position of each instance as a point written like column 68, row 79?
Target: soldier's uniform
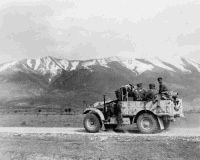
column 119, row 113
column 162, row 88
column 122, row 93
column 163, row 91
column 152, row 93
column 139, row 93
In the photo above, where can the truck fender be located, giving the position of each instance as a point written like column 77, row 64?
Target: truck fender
column 99, row 113
column 160, row 120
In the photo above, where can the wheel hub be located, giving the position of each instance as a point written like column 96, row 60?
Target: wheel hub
column 91, row 123
column 146, row 123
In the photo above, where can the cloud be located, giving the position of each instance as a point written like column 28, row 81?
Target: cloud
column 24, row 30
column 189, row 39
column 195, row 55
column 89, row 44
column 117, row 9
column 95, row 29
column 5, row 58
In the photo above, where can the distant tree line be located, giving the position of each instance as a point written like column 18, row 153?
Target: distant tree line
column 61, row 111
column 68, row 110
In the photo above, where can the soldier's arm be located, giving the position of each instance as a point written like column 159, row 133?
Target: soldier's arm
column 148, row 95
column 145, row 91
column 156, row 92
column 165, row 87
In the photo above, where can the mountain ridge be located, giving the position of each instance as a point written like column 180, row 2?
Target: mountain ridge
column 90, row 79
column 52, row 64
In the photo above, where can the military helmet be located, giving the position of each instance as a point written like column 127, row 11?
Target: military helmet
column 152, row 85
column 139, row 84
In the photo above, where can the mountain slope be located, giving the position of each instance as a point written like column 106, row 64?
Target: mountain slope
column 71, row 81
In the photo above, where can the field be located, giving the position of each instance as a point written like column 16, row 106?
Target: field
column 173, row 144
column 75, row 144
column 45, row 119
column 40, row 120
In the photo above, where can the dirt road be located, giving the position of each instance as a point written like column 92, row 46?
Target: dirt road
column 176, row 132
column 24, row 143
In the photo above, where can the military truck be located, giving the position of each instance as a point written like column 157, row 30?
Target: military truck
column 150, row 116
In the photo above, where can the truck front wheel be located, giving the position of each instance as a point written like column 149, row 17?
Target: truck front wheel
column 91, row 123
column 147, row 123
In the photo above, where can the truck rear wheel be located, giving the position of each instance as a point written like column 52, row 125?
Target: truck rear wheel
column 91, row 123
column 147, row 123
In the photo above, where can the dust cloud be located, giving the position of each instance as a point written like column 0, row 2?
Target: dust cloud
column 191, row 120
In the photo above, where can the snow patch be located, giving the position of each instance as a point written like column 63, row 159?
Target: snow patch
column 176, row 61
column 64, row 63
column 195, row 64
column 25, row 66
column 103, row 63
column 157, row 62
column 48, row 61
column 74, row 65
column 29, row 63
column 88, row 63
column 132, row 64
column 37, row 63
column 136, row 66
column 116, row 58
column 54, row 68
column 8, row 65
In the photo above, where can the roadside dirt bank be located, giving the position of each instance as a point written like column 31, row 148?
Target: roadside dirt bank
column 79, row 147
column 127, row 130
column 76, row 144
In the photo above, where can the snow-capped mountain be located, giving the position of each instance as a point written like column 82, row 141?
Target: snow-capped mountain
column 51, row 67
column 89, row 79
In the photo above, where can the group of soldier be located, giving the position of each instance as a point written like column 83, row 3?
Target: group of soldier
column 141, row 94
column 138, row 92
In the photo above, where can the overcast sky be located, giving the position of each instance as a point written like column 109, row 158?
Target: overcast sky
column 88, row 29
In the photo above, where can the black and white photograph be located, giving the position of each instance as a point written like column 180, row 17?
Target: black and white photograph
column 99, row 79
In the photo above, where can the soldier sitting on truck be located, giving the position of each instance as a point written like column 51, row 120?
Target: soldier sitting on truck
column 139, row 93
column 163, row 91
column 152, row 93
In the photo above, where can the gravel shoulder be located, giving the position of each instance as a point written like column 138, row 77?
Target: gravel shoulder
column 126, row 131
column 50, row 138
column 27, row 143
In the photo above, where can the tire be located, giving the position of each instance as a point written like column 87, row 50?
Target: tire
column 166, row 124
column 110, row 126
column 147, row 123
column 91, row 123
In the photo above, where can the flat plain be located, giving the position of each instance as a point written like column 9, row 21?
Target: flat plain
column 62, row 137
